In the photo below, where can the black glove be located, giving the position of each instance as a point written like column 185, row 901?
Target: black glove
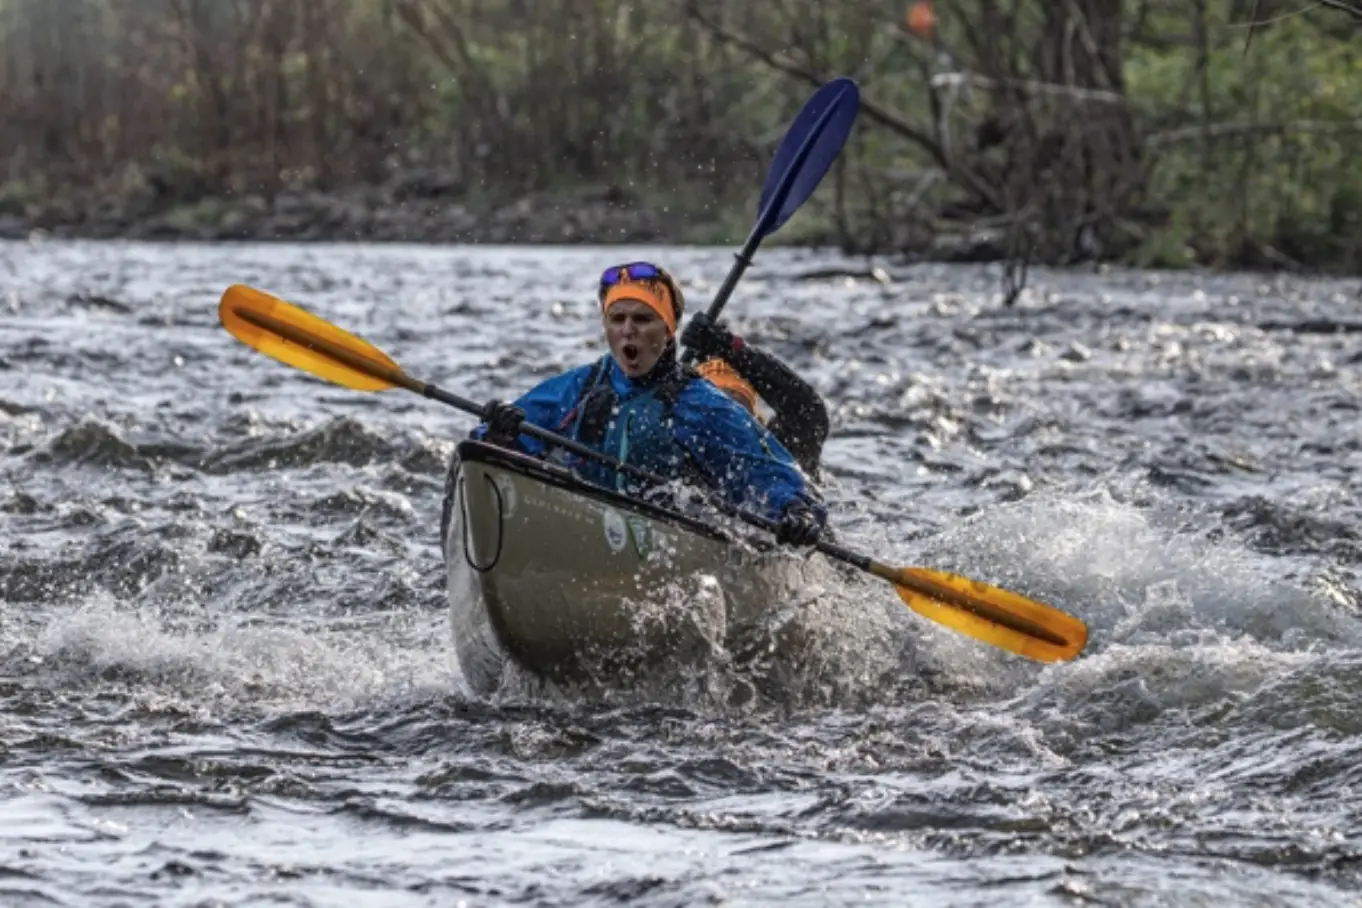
column 708, row 339
column 799, row 525
column 503, row 422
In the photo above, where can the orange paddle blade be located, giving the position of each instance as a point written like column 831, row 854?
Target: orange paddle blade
column 1002, row 618
column 300, row 339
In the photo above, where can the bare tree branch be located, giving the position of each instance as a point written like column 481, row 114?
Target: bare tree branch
column 781, row 63
column 1029, row 86
column 1354, row 11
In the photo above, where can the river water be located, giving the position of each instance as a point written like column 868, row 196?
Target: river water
column 226, row 675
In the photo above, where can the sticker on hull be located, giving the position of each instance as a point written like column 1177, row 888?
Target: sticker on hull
column 616, row 533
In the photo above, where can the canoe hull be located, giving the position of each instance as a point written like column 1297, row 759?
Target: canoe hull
column 570, row 582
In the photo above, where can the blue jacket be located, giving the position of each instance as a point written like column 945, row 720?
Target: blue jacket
column 706, row 431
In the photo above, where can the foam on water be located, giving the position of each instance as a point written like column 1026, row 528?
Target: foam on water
column 1175, row 621
column 1139, row 574
column 241, row 663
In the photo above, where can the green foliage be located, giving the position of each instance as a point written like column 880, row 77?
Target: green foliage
column 17, row 195
column 680, row 104
column 1168, row 247
column 1288, row 183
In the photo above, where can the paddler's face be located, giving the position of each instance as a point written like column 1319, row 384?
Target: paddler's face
column 637, row 336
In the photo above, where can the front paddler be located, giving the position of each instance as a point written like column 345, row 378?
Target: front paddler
column 639, row 404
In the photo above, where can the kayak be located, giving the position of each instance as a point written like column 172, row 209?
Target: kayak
column 575, row 583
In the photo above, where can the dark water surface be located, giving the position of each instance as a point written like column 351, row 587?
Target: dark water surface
column 225, row 668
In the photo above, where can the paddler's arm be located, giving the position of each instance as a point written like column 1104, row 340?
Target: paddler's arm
column 745, row 461
column 546, row 405
column 801, row 418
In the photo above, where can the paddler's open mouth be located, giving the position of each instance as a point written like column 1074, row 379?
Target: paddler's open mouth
column 630, row 352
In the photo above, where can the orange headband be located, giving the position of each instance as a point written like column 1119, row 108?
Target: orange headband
column 726, row 379
column 653, row 294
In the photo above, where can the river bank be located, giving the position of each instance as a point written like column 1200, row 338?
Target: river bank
column 598, row 217
column 428, row 206
column 422, row 206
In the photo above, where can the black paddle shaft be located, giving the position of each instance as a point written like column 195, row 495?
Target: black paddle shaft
column 773, row 210
column 744, row 261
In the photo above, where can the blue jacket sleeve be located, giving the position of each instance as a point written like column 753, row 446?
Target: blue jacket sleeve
column 746, row 461
column 546, row 405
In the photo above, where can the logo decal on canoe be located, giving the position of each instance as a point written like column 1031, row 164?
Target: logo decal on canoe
column 642, row 543
column 616, row 534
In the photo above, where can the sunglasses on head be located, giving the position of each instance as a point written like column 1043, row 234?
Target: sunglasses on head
column 634, row 271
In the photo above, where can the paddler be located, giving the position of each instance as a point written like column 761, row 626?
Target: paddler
column 639, row 404
column 746, row 372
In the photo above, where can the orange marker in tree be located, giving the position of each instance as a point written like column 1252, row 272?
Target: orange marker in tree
column 922, row 19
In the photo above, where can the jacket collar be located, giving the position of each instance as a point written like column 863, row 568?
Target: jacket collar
column 667, row 367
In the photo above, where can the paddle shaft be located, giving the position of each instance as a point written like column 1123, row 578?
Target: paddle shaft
column 763, row 226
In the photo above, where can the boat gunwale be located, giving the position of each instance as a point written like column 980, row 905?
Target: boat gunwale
column 481, row 452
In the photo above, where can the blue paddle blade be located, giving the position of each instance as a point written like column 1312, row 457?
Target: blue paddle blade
column 814, row 140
